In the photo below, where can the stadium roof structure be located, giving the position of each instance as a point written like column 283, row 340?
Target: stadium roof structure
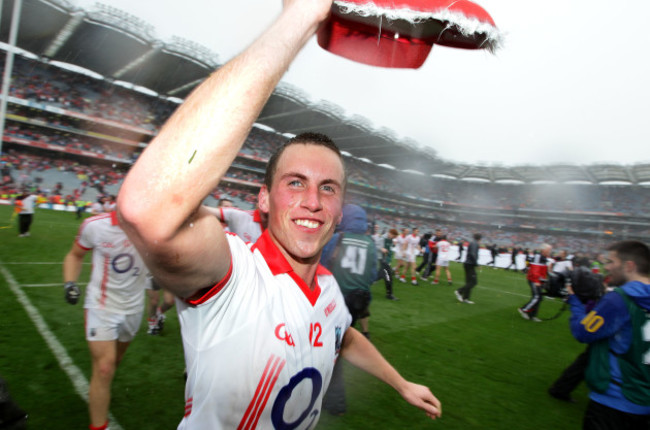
column 122, row 47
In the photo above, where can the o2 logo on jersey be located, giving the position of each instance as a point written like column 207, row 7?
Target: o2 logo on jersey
column 305, row 376
column 281, row 333
column 124, row 262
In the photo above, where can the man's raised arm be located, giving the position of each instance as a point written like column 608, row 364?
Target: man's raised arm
column 159, row 203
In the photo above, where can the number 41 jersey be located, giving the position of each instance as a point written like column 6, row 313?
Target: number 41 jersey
column 119, row 275
column 260, row 345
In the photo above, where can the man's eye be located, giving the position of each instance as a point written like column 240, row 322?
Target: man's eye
column 295, row 183
column 328, row 188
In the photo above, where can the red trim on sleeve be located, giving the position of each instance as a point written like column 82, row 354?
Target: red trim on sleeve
column 80, row 245
column 114, row 220
column 206, row 294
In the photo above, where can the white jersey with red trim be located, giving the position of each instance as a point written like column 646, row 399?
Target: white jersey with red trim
column 412, row 244
column 444, row 248
column 245, row 224
column 260, row 345
column 119, row 276
column 399, row 242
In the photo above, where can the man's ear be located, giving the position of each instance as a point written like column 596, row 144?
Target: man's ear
column 263, row 199
column 629, row 266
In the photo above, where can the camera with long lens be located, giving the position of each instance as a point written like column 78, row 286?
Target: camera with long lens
column 586, row 285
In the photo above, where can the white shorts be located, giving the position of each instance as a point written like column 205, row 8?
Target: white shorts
column 399, row 255
column 102, row 325
column 442, row 262
column 409, row 257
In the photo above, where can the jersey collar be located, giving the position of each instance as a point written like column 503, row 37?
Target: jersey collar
column 279, row 265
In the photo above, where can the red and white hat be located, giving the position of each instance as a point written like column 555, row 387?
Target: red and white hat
column 400, row 33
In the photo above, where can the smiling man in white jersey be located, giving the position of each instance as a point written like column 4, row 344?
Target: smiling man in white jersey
column 263, row 323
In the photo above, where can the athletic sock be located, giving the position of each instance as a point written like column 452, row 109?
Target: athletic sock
column 102, row 427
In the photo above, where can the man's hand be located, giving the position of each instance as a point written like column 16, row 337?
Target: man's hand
column 421, row 397
column 72, row 292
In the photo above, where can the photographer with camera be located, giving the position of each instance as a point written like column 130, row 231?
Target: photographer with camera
column 589, row 288
column 617, row 371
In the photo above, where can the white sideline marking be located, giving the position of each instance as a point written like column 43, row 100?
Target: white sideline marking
column 514, row 294
column 504, row 292
column 58, row 284
column 74, row 373
column 32, row 263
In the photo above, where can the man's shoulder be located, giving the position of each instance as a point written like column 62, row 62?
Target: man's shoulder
column 98, row 221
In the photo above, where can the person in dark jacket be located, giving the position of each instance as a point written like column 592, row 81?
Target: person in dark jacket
column 471, row 261
column 350, row 255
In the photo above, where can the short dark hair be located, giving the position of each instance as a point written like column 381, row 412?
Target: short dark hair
column 477, row 236
column 317, row 139
column 223, row 200
column 633, row 250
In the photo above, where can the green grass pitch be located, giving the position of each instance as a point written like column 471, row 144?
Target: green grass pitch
column 488, row 366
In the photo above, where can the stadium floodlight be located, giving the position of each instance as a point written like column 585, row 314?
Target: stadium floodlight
column 294, row 93
column 122, row 21
column 387, row 134
column 362, row 123
column 63, row 4
column 330, row 109
column 193, row 51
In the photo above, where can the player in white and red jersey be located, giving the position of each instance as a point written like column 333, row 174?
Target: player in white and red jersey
column 276, row 369
column 411, row 251
column 289, row 334
column 400, row 253
column 248, row 225
column 114, row 302
column 442, row 260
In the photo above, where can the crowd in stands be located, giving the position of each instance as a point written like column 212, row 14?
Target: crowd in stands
column 21, row 171
column 33, row 80
column 70, row 141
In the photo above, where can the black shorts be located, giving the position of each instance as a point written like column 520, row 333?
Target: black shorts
column 358, row 302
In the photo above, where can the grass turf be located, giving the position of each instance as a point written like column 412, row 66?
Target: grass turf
column 488, row 366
